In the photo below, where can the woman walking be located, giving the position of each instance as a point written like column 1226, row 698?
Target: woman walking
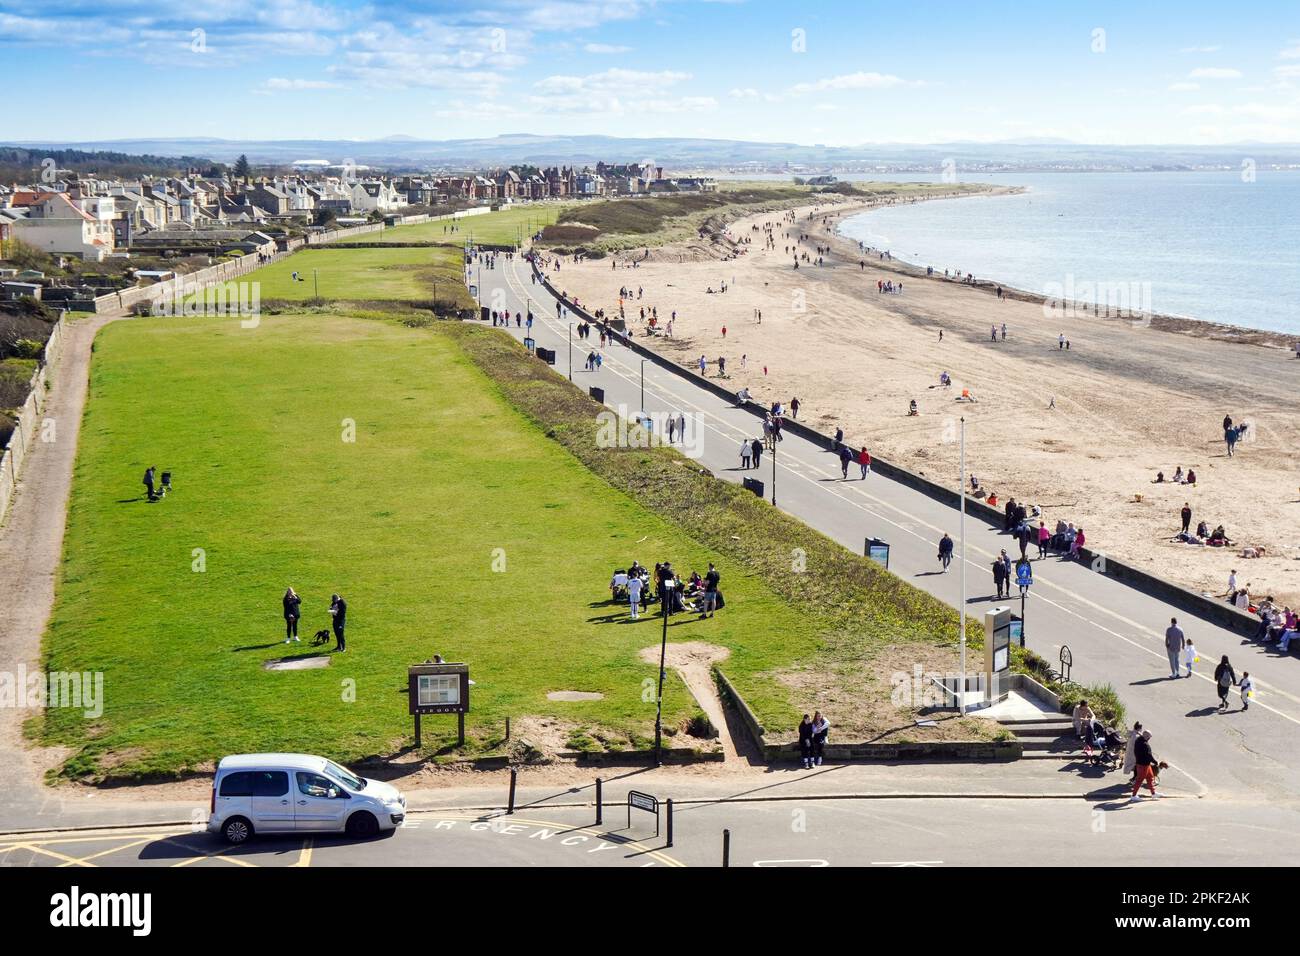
column 291, row 614
column 1130, row 757
column 864, row 459
column 1224, row 678
column 1146, row 766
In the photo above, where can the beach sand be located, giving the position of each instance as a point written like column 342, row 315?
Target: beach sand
column 1131, row 397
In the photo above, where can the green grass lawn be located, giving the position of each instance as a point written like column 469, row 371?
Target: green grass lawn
column 371, row 275
column 404, row 522
column 501, row 227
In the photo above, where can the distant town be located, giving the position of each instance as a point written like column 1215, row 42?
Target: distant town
column 221, row 211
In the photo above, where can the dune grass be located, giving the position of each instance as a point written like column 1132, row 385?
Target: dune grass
column 452, row 524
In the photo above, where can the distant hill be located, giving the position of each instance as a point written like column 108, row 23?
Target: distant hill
column 694, row 153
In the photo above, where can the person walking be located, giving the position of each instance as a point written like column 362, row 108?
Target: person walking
column 999, row 576
column 821, row 729
column 756, row 446
column 1187, row 516
column 864, row 459
column 291, row 614
column 1190, row 656
column 1044, row 536
column 1175, row 642
column 806, row 742
column 945, row 551
column 634, row 593
column 1247, row 689
column 1224, row 679
column 148, row 482
column 1145, row 764
column 672, row 428
column 746, row 451
column 846, row 456
column 339, row 612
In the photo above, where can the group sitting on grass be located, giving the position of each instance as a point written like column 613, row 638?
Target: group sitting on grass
column 639, row 587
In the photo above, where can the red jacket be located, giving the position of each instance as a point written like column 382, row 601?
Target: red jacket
column 864, row 458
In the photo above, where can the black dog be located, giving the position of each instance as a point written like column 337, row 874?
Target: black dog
column 322, row 637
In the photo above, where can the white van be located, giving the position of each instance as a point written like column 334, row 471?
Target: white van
column 298, row 793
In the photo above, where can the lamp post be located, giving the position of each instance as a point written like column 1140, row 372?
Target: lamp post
column 774, row 471
column 643, row 385
column 961, row 570
column 570, row 351
column 665, row 598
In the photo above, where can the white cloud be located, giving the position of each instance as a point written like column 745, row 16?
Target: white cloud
column 851, row 81
column 1214, row 73
column 1290, row 71
column 628, row 82
column 279, row 83
column 747, row 93
column 1200, row 49
column 605, row 48
column 1183, row 87
column 1291, row 53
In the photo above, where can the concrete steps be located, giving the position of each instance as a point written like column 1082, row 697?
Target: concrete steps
column 1045, row 738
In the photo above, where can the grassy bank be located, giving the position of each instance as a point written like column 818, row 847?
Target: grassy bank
column 367, row 275
column 502, row 227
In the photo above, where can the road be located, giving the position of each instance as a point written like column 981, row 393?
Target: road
column 1115, row 632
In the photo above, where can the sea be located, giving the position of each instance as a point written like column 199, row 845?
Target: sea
column 1219, row 246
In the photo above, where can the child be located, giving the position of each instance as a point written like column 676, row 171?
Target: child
column 1190, row 656
column 1247, row 689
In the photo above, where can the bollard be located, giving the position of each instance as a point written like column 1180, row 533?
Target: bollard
column 598, row 802
column 507, row 728
column 670, row 822
column 514, row 774
column 726, row 848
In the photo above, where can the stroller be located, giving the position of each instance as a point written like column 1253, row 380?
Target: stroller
column 1102, row 746
column 620, row 591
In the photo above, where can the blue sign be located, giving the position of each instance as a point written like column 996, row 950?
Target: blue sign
column 1024, row 574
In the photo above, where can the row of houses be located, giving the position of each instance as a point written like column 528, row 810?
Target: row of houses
column 93, row 217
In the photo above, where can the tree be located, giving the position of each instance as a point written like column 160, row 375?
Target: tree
column 242, row 169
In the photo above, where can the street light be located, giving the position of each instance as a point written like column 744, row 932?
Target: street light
column 774, row 434
column 643, row 385
column 961, row 571
column 666, row 590
column 570, row 351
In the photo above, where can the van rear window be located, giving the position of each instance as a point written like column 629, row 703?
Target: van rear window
column 255, row 783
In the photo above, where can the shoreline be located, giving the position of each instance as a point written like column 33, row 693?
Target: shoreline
column 1080, row 432
column 1164, row 322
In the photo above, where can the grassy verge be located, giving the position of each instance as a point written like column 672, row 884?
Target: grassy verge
column 870, row 626
column 502, row 227
column 372, row 275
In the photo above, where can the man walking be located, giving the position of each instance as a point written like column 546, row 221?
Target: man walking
column 1175, row 641
column 1187, row 516
column 999, row 576
column 945, row 551
column 148, row 482
column 339, row 612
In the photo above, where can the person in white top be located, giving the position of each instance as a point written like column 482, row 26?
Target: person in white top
column 1232, row 581
column 1190, row 656
column 1247, row 689
column 744, row 452
column 634, row 594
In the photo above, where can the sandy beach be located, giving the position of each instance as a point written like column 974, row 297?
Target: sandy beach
column 1130, row 398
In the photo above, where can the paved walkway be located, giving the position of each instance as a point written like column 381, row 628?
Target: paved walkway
column 1114, row 631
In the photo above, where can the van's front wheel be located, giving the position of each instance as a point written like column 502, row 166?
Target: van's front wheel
column 236, row 830
column 362, row 824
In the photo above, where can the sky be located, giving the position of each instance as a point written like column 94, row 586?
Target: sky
column 816, row 72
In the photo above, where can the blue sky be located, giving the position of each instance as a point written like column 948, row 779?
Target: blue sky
column 811, row 72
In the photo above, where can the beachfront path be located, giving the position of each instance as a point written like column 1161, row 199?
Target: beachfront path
column 1115, row 632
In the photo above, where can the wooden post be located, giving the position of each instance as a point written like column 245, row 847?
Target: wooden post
column 513, row 776
column 417, row 730
column 460, row 727
column 599, row 804
column 507, row 727
column 670, row 822
column 726, row 848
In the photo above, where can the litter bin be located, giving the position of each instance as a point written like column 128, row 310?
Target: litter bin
column 597, row 393
column 754, row 485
